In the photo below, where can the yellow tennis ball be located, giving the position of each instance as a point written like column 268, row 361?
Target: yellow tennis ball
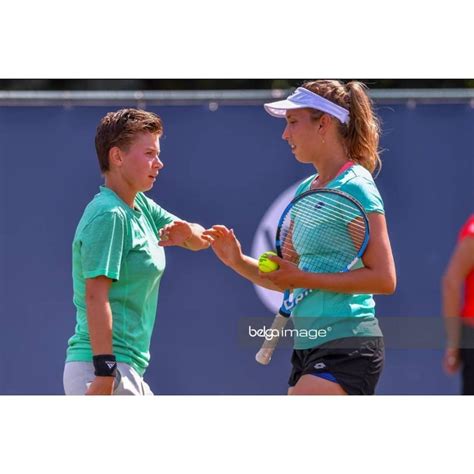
column 265, row 265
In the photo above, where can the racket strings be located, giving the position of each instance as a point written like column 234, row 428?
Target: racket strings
column 332, row 228
column 343, row 237
column 323, row 234
column 311, row 214
column 339, row 233
column 348, row 205
column 327, row 209
column 330, row 259
column 327, row 218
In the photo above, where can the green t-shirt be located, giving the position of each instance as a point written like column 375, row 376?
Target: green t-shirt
column 324, row 316
column 120, row 243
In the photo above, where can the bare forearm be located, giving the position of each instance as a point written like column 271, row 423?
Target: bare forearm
column 452, row 293
column 248, row 268
column 363, row 280
column 99, row 319
column 196, row 242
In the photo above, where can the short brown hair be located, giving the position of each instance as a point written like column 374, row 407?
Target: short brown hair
column 120, row 128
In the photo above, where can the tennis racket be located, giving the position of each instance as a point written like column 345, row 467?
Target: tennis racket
column 321, row 231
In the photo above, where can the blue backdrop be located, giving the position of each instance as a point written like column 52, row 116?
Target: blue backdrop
column 224, row 166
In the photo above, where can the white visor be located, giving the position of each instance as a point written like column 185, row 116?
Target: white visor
column 304, row 98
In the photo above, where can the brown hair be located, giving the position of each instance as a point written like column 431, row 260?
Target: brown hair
column 120, row 128
column 361, row 134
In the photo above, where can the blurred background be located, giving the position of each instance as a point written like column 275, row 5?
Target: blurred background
column 221, row 151
column 217, row 84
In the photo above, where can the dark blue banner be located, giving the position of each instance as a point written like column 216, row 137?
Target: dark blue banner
column 227, row 166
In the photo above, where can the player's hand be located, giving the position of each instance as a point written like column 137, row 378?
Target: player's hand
column 176, row 233
column 451, row 361
column 285, row 277
column 101, row 386
column 225, row 244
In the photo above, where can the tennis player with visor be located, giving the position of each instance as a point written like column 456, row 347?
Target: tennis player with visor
column 331, row 126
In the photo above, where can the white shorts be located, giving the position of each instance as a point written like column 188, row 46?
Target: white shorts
column 78, row 376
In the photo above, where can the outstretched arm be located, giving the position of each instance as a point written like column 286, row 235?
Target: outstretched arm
column 183, row 234
column 227, row 248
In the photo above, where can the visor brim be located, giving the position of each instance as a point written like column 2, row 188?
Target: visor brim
column 278, row 109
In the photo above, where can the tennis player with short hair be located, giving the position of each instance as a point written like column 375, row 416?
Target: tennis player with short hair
column 458, row 308
column 118, row 260
column 331, row 126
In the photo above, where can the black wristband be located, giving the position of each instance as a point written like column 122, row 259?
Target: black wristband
column 105, row 365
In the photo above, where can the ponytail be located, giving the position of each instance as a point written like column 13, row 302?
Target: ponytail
column 361, row 134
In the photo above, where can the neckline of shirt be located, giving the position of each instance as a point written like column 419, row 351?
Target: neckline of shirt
column 344, row 168
column 135, row 211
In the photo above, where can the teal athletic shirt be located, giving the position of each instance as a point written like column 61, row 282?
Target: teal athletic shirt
column 120, row 243
column 324, row 316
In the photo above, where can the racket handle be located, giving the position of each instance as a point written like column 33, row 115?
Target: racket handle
column 264, row 355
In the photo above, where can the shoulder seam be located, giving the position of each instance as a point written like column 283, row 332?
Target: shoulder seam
column 117, row 211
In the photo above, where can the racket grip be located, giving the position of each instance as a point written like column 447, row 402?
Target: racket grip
column 264, row 355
